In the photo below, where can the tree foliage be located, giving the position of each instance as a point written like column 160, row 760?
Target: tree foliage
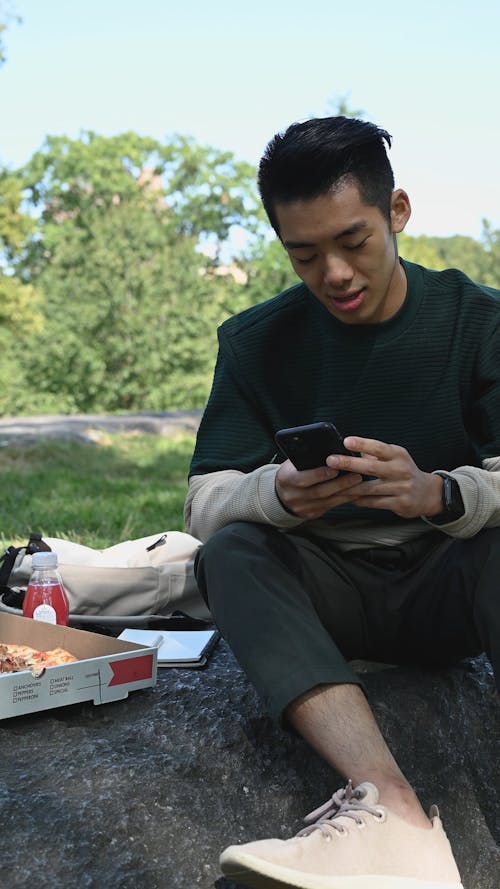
column 130, row 305
column 201, row 191
column 107, row 300
column 480, row 260
column 269, row 270
column 19, row 302
column 15, row 224
column 130, row 320
column 490, row 271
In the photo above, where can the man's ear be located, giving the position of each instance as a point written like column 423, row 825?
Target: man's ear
column 400, row 210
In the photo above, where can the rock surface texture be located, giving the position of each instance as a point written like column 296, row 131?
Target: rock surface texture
column 146, row 792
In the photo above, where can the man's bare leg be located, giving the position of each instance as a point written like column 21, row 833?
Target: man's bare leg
column 336, row 720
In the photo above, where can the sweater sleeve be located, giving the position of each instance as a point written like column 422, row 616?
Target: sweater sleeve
column 232, row 476
column 480, row 485
column 218, row 498
column 480, row 490
column 234, row 432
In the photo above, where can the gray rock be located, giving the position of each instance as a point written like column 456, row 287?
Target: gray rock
column 91, row 427
column 146, row 792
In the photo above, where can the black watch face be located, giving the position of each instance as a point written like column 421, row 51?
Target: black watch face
column 454, row 505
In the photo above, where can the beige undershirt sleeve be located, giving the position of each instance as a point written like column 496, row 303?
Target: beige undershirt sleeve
column 218, row 498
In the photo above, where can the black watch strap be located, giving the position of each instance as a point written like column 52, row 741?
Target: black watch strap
column 453, row 505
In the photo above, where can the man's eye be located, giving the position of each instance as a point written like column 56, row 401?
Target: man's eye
column 356, row 246
column 304, row 261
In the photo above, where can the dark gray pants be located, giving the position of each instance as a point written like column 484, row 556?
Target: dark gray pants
column 295, row 611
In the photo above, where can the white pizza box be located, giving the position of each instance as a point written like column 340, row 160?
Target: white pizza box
column 107, row 669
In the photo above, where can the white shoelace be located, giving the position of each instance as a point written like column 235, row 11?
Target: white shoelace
column 345, row 803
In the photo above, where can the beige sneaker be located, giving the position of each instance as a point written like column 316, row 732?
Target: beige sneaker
column 352, row 842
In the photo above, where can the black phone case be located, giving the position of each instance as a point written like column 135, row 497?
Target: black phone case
column 309, row 446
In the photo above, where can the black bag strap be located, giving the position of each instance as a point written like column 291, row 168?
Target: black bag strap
column 7, row 564
column 35, row 545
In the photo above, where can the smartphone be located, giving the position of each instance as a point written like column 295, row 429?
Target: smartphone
column 309, row 446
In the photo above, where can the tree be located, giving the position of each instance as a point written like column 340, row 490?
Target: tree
column 19, row 303
column 210, row 191
column 130, row 320
column 421, row 249
column 269, row 271
column 491, row 243
column 111, row 247
column 15, row 224
column 465, row 253
column 480, row 260
column 202, row 191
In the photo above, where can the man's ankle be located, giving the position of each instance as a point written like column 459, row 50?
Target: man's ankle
column 398, row 796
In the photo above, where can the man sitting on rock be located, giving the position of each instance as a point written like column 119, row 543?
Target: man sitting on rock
column 390, row 554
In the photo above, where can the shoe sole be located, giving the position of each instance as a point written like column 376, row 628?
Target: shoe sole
column 249, row 871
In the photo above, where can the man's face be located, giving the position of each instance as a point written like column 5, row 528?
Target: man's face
column 345, row 252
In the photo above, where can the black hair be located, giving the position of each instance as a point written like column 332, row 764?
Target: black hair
column 311, row 158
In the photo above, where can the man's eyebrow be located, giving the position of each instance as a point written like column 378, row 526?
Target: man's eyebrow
column 353, row 229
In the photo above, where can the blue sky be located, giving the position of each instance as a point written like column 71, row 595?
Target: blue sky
column 232, row 73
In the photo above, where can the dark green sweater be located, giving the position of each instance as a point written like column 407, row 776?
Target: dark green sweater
column 428, row 379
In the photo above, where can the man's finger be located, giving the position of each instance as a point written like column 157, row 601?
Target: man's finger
column 366, row 465
column 379, row 449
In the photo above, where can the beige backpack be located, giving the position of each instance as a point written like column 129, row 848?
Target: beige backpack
column 148, row 576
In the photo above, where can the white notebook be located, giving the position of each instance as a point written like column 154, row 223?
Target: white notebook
column 176, row 648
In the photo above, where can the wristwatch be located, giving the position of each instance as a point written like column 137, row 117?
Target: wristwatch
column 453, row 505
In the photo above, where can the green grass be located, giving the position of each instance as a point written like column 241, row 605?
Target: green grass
column 96, row 494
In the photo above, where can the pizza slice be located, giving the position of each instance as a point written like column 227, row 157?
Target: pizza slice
column 55, row 657
column 15, row 658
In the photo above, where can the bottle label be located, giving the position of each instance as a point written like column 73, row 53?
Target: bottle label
column 46, row 613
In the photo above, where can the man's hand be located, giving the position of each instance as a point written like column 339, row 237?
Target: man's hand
column 312, row 492
column 397, row 484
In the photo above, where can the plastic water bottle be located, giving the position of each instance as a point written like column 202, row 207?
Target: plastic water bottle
column 46, row 597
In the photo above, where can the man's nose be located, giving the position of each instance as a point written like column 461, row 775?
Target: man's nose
column 337, row 272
